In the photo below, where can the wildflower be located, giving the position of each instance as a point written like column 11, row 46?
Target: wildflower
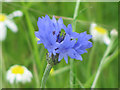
column 18, row 73
column 7, row 21
column 60, row 40
column 99, row 34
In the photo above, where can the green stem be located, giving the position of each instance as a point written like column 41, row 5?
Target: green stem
column 36, row 75
column 32, row 35
column 34, row 44
column 71, row 73
column 72, row 60
column 1, row 65
column 3, row 68
column 75, row 15
column 45, row 75
column 31, row 31
column 89, row 67
column 110, row 58
column 102, row 63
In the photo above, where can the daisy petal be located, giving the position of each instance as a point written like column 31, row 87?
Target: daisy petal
column 10, row 24
column 106, row 40
column 3, row 31
column 17, row 13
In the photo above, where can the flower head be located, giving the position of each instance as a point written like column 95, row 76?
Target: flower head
column 99, row 34
column 63, row 43
column 18, row 73
column 7, row 21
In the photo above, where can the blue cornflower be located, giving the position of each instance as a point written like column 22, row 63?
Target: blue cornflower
column 64, row 44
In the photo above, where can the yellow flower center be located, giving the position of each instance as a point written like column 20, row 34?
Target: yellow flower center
column 2, row 17
column 52, row 70
column 17, row 69
column 100, row 30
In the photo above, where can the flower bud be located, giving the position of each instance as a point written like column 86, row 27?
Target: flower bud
column 114, row 32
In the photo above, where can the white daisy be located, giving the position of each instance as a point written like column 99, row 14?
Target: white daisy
column 99, row 34
column 7, row 21
column 18, row 73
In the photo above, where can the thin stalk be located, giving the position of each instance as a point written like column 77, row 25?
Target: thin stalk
column 102, row 63
column 35, row 48
column 110, row 58
column 81, row 85
column 1, row 65
column 36, row 75
column 72, row 60
column 33, row 59
column 3, row 68
column 92, row 52
column 79, row 82
column 31, row 31
column 75, row 15
column 45, row 75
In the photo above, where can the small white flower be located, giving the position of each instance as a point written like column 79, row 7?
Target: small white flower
column 18, row 73
column 7, row 21
column 114, row 32
column 99, row 34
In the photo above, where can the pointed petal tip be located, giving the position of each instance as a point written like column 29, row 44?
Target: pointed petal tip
column 66, row 62
column 60, row 20
column 81, row 59
column 59, row 59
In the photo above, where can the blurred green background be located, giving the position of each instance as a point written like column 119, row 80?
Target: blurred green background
column 19, row 48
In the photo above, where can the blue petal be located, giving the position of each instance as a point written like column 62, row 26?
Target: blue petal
column 60, row 21
column 81, row 51
column 39, row 42
column 67, row 43
column 66, row 58
column 37, row 34
column 47, row 17
column 68, row 30
column 84, row 36
column 60, row 57
column 73, row 54
column 86, row 45
column 54, row 21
